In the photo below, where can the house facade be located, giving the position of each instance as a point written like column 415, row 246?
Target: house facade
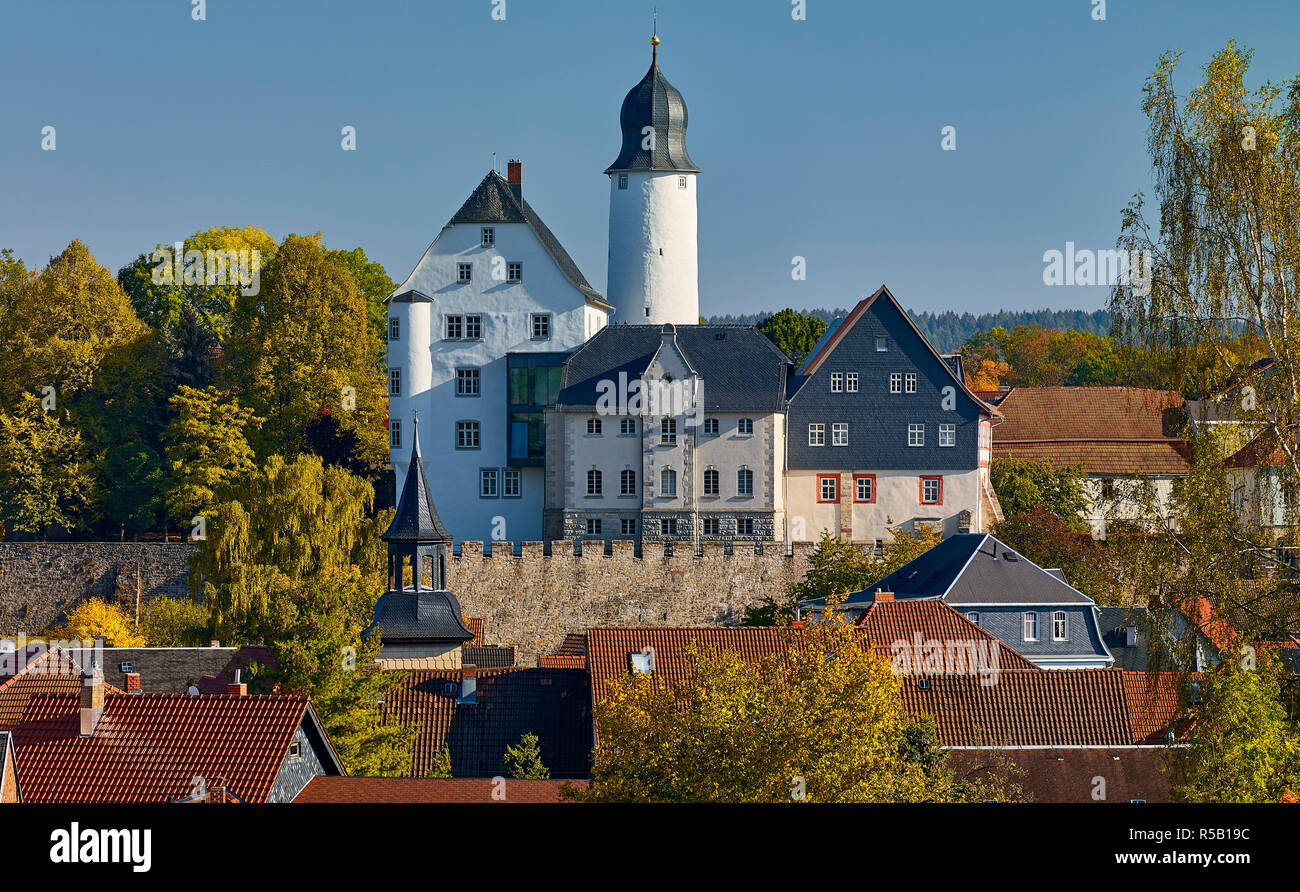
column 884, row 433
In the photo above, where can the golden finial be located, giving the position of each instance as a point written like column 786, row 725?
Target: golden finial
column 654, row 39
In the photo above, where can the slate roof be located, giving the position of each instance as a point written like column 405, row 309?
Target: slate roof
column 1067, row 774
column 1113, row 623
column 488, row 656
column 494, row 202
column 742, row 370
column 658, row 104
column 416, row 519
column 149, row 747
column 163, row 670
column 554, row 704
column 1104, row 430
column 432, row 790
column 887, row 622
column 424, row 616
column 970, row 569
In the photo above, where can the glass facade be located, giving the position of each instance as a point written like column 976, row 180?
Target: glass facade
column 532, row 386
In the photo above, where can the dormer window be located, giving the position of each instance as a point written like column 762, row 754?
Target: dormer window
column 642, row 663
column 1030, row 627
column 1060, row 626
column 622, row 181
column 489, row 237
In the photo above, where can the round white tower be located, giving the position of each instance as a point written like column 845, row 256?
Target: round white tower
column 409, row 355
column 653, row 254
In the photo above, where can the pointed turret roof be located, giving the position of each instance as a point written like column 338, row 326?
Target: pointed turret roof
column 417, row 519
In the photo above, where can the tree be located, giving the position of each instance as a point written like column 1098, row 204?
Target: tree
column 302, row 347
column 821, row 721
column 288, row 522
column 1050, row 542
column 372, row 279
column 94, row 618
column 175, row 622
column 988, row 374
column 793, row 332
column 135, row 484
column 524, row 760
column 1023, row 484
column 1242, row 747
column 441, row 766
column 207, row 449
column 45, row 477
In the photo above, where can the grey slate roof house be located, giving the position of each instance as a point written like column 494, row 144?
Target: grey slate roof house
column 1031, row 610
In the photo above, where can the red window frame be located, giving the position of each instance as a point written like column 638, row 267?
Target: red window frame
column 921, row 494
column 834, row 477
column 872, row 478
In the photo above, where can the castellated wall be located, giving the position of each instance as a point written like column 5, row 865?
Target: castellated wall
column 532, row 600
column 529, row 600
column 41, row 581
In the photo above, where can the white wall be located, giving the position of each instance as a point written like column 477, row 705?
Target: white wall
column 653, row 252
column 897, row 503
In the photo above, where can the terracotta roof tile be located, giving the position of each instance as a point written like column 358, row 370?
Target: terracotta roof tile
column 149, row 747
column 887, row 622
column 51, row 671
column 431, row 790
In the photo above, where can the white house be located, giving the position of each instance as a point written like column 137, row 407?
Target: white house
column 476, row 336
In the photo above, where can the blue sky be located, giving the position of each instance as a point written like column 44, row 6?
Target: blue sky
column 817, row 138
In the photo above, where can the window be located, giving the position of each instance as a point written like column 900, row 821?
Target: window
column 594, row 487
column 745, row 482
column 1060, row 626
column 712, row 526
column 541, row 325
column 745, row 526
column 745, row 426
column 627, row 427
column 512, row 483
column 931, row 490
column 593, row 427
column 864, row 486
column 627, row 526
column 837, row 382
column 668, row 432
column 467, row 435
column 916, row 435
column 473, row 326
column 668, row 526
column 911, row 382
column 395, row 382
column 828, row 488
column 455, row 327
column 851, row 382
column 1030, row 631
column 711, row 486
column 895, row 382
column 464, row 272
column 816, row 435
column 627, row 483
column 947, row 435
column 593, row 526
column 514, row 271
column 467, row 382
column 681, row 182
column 880, row 345
column 489, row 236
column 840, row 433
column 710, row 427
column 295, row 750
column 668, row 483
column 487, row 483
column 394, row 328
column 395, row 432
column 622, row 181
column 974, row 618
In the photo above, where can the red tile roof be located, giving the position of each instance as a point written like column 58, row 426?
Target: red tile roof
column 933, row 619
column 1153, row 704
column 432, row 790
column 1104, row 430
column 43, row 671
column 149, row 747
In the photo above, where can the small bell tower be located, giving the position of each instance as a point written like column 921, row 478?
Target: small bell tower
column 416, row 532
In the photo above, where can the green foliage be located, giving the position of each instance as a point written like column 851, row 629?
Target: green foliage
column 133, row 496
column 207, row 449
column 793, row 332
column 1050, row 542
column 1023, row 484
column 524, row 759
column 45, row 477
column 372, row 279
column 441, row 766
column 175, row 622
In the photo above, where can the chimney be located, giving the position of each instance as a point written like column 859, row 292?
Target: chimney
column 468, row 684
column 515, row 177
column 92, row 701
column 132, row 682
column 236, row 688
column 884, row 596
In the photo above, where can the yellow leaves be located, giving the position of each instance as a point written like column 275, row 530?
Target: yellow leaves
column 94, row 618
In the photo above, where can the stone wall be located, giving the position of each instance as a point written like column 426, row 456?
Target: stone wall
column 41, row 581
column 531, row 600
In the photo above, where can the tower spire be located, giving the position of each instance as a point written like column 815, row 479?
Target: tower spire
column 654, row 39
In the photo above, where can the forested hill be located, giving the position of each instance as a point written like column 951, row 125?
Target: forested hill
column 949, row 330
